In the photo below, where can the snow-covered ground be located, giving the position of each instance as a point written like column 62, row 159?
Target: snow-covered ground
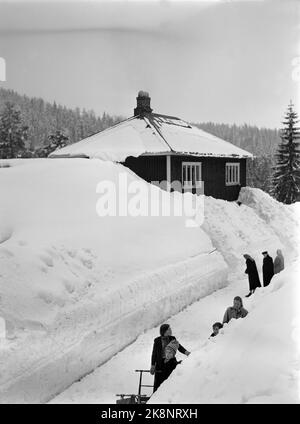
column 192, row 326
column 254, row 360
column 75, row 289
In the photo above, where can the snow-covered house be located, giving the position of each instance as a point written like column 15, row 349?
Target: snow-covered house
column 165, row 148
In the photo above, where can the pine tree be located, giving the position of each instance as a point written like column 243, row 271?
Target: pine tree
column 286, row 178
column 13, row 132
column 259, row 172
column 56, row 141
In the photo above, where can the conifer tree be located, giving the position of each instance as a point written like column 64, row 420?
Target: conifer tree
column 13, row 132
column 286, row 177
column 56, row 140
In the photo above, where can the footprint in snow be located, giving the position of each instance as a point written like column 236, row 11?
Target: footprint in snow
column 72, row 253
column 68, row 286
column 44, row 269
column 47, row 260
column 87, row 263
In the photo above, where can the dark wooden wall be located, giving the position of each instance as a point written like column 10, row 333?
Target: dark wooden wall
column 213, row 175
column 153, row 168
column 150, row 168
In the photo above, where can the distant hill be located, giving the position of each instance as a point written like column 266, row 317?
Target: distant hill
column 44, row 118
column 259, row 141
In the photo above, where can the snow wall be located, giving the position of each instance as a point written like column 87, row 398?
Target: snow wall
column 76, row 288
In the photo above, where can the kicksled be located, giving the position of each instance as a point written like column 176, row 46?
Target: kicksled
column 133, row 398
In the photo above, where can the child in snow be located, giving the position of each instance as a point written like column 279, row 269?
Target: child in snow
column 216, row 328
column 235, row 311
column 170, row 350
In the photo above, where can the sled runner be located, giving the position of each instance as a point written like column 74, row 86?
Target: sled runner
column 135, row 399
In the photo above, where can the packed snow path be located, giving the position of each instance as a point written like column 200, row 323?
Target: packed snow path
column 253, row 360
column 192, row 327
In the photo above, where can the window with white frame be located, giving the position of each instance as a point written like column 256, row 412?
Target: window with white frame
column 191, row 174
column 232, row 173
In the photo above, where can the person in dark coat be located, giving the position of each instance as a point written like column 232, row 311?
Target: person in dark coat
column 268, row 268
column 253, row 276
column 236, row 311
column 278, row 262
column 162, row 362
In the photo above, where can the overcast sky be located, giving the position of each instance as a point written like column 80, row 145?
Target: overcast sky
column 214, row 61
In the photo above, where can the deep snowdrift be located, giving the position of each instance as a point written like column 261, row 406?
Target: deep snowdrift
column 258, row 362
column 55, row 248
column 76, row 288
column 253, row 360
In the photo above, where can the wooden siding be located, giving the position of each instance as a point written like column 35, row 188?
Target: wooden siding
column 150, row 168
column 213, row 175
column 153, row 168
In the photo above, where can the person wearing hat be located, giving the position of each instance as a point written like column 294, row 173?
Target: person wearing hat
column 163, row 360
column 268, row 268
column 236, row 311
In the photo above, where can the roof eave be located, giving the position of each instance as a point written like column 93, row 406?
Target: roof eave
column 68, row 156
column 176, row 153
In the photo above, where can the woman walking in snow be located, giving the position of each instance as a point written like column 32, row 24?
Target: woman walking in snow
column 235, row 311
column 253, row 276
column 278, row 262
column 163, row 360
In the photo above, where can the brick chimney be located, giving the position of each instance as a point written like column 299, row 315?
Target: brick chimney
column 142, row 104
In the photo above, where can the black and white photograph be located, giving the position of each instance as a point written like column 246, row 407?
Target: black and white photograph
column 149, row 205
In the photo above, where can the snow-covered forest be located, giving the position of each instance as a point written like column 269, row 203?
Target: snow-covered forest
column 44, row 119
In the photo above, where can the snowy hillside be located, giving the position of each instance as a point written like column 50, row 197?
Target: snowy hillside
column 255, row 360
column 76, row 288
column 72, row 283
column 252, row 360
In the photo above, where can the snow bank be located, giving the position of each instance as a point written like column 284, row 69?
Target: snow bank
column 236, row 230
column 55, row 248
column 75, row 287
column 253, row 360
column 282, row 219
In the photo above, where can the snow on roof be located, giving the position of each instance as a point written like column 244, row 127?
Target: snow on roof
column 153, row 133
column 132, row 137
column 185, row 138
